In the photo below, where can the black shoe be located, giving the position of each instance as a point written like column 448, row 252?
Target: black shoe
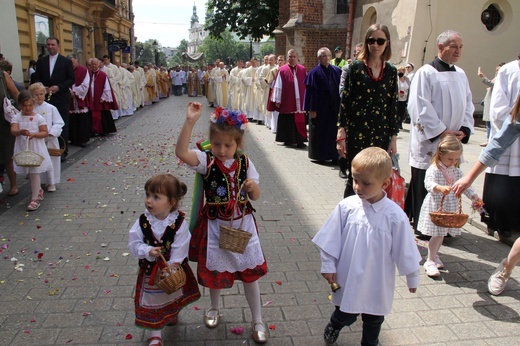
column 63, row 157
column 343, row 174
column 504, row 232
column 301, row 145
column 330, row 334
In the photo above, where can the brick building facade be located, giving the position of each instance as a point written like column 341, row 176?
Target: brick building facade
column 307, row 25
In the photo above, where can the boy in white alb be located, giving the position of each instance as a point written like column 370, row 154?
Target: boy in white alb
column 361, row 243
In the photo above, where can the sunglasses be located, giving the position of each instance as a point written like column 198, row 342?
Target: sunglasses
column 380, row 41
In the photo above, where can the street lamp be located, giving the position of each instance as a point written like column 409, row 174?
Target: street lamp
column 250, row 47
column 156, row 51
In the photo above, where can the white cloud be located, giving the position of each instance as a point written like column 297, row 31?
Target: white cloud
column 167, row 21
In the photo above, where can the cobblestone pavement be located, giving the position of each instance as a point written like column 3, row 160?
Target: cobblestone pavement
column 66, row 277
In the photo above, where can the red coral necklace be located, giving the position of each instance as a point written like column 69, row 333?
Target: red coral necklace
column 381, row 74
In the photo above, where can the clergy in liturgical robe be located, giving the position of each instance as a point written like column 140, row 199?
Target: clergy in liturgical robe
column 80, row 123
column 208, row 85
column 288, row 95
column 101, row 101
column 439, row 102
column 221, row 85
column 322, row 102
column 149, row 95
column 235, row 87
column 193, row 84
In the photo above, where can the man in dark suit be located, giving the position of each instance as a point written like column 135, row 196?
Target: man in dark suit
column 56, row 73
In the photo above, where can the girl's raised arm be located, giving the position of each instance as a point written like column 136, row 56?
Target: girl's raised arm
column 183, row 142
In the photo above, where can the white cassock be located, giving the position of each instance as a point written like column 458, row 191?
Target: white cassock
column 54, row 125
column 242, row 90
column 115, row 77
column 271, row 78
column 136, row 94
column 213, row 85
column 221, row 87
column 438, row 101
column 127, row 80
column 262, row 102
column 248, row 80
column 142, row 83
column 259, row 94
column 234, row 89
column 363, row 243
column 505, row 93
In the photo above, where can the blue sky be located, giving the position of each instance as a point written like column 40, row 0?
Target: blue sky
column 167, row 21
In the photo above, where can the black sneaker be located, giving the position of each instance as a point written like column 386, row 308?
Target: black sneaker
column 330, row 334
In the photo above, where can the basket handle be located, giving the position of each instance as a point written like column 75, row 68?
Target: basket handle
column 236, row 206
column 162, row 257
column 442, row 204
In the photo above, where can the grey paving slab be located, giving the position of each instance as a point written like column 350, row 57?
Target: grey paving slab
column 80, row 291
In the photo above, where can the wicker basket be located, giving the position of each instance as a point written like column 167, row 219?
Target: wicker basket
column 58, row 151
column 170, row 278
column 232, row 239
column 448, row 219
column 28, row 158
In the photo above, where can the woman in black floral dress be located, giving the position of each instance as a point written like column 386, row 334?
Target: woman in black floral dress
column 368, row 114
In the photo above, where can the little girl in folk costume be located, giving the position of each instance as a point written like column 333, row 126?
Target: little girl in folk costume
column 440, row 176
column 224, row 171
column 54, row 125
column 161, row 229
column 29, row 124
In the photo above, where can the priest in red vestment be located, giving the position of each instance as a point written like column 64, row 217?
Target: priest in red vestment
column 288, row 95
column 80, row 122
column 101, row 100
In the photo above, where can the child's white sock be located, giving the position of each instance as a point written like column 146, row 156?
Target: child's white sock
column 252, row 292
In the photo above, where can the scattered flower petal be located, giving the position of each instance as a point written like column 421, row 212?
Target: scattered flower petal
column 272, row 327
column 278, row 282
column 237, row 330
column 128, row 337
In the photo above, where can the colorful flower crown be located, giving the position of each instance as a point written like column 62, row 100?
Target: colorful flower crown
column 231, row 118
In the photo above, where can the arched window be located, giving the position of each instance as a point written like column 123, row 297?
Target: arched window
column 491, row 17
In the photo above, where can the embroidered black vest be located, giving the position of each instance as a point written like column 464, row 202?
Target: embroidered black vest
column 217, row 190
column 166, row 240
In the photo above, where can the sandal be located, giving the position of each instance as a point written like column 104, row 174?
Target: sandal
column 13, row 191
column 155, row 341
column 34, row 204
column 40, row 195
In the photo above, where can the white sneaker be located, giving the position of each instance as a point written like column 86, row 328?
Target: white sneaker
column 498, row 280
column 51, row 188
column 431, row 268
column 439, row 263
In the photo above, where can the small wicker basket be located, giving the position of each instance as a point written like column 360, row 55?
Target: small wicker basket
column 232, row 239
column 58, row 151
column 448, row 219
column 170, row 278
column 28, row 158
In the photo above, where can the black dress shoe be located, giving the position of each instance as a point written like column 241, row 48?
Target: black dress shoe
column 504, row 232
column 301, row 145
column 342, row 174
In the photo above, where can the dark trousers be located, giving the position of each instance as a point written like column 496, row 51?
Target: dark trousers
column 177, row 90
column 415, row 196
column 371, row 325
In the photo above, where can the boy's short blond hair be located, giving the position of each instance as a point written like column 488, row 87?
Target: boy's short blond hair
column 375, row 160
column 36, row 86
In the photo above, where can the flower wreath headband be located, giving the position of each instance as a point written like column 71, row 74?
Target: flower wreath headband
column 231, row 118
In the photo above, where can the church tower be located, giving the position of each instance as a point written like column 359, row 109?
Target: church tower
column 197, row 32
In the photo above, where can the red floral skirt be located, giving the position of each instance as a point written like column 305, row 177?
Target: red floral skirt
column 158, row 314
column 214, row 279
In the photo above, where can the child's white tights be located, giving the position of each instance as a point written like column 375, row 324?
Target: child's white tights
column 433, row 246
column 252, row 293
column 35, row 180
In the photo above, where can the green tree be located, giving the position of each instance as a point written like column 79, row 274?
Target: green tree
column 266, row 49
column 224, row 48
column 145, row 52
column 243, row 17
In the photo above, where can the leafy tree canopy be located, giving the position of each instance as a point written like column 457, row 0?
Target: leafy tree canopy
column 243, row 17
column 226, row 48
column 267, row 49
